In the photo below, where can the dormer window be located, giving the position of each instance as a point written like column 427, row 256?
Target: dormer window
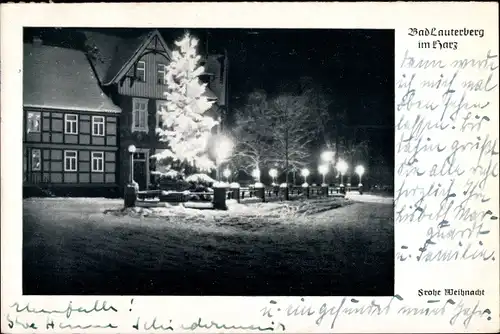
column 140, row 71
column 161, row 74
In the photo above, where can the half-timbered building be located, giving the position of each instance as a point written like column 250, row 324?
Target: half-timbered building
column 83, row 108
column 70, row 125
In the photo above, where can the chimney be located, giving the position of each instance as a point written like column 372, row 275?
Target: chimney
column 37, row 41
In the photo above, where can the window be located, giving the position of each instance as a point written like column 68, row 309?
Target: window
column 98, row 125
column 33, row 121
column 161, row 70
column 160, row 107
column 98, row 161
column 71, row 124
column 139, row 156
column 140, row 71
column 70, row 158
column 140, row 115
column 36, row 160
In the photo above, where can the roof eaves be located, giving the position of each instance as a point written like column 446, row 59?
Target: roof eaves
column 58, row 108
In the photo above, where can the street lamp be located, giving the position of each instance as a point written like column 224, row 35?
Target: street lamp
column 256, row 174
column 131, row 150
column 227, row 174
column 327, row 156
column 342, row 168
column 222, row 149
column 305, row 174
column 273, row 172
column 360, row 170
column 323, row 170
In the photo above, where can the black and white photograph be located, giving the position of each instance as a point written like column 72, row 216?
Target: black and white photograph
column 208, row 162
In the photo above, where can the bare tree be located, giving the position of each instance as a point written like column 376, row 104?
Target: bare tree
column 328, row 113
column 252, row 133
column 353, row 151
column 293, row 131
column 319, row 101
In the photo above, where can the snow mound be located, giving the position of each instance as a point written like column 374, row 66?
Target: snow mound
column 234, row 185
column 221, row 185
column 200, row 178
column 259, row 185
column 171, row 174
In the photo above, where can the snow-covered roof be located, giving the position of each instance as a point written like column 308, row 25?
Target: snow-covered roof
column 61, row 78
column 113, row 52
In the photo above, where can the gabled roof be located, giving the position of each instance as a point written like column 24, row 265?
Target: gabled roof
column 61, row 78
column 115, row 55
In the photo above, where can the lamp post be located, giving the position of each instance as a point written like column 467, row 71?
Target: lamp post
column 360, row 170
column 256, row 174
column 227, row 173
column 323, row 170
column 273, row 172
column 222, row 148
column 131, row 151
column 305, row 174
column 328, row 158
column 131, row 189
column 342, row 168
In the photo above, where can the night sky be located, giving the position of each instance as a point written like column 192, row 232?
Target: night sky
column 357, row 65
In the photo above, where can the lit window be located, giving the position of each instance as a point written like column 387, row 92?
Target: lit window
column 140, row 115
column 98, row 125
column 33, row 121
column 70, row 158
column 161, row 78
column 140, row 71
column 97, row 161
column 36, row 160
column 71, row 124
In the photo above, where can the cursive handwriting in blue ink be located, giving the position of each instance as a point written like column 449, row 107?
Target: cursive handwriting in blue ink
column 213, row 324
column 97, row 307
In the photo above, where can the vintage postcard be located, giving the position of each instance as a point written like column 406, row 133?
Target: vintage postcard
column 250, row 167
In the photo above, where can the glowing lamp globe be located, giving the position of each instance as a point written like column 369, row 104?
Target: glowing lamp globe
column 360, row 170
column 323, row 169
column 305, row 172
column 273, row 172
column 342, row 166
column 223, row 148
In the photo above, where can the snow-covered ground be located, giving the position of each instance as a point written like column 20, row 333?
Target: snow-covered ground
column 369, row 198
column 303, row 247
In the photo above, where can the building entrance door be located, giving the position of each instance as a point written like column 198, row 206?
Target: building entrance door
column 141, row 169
